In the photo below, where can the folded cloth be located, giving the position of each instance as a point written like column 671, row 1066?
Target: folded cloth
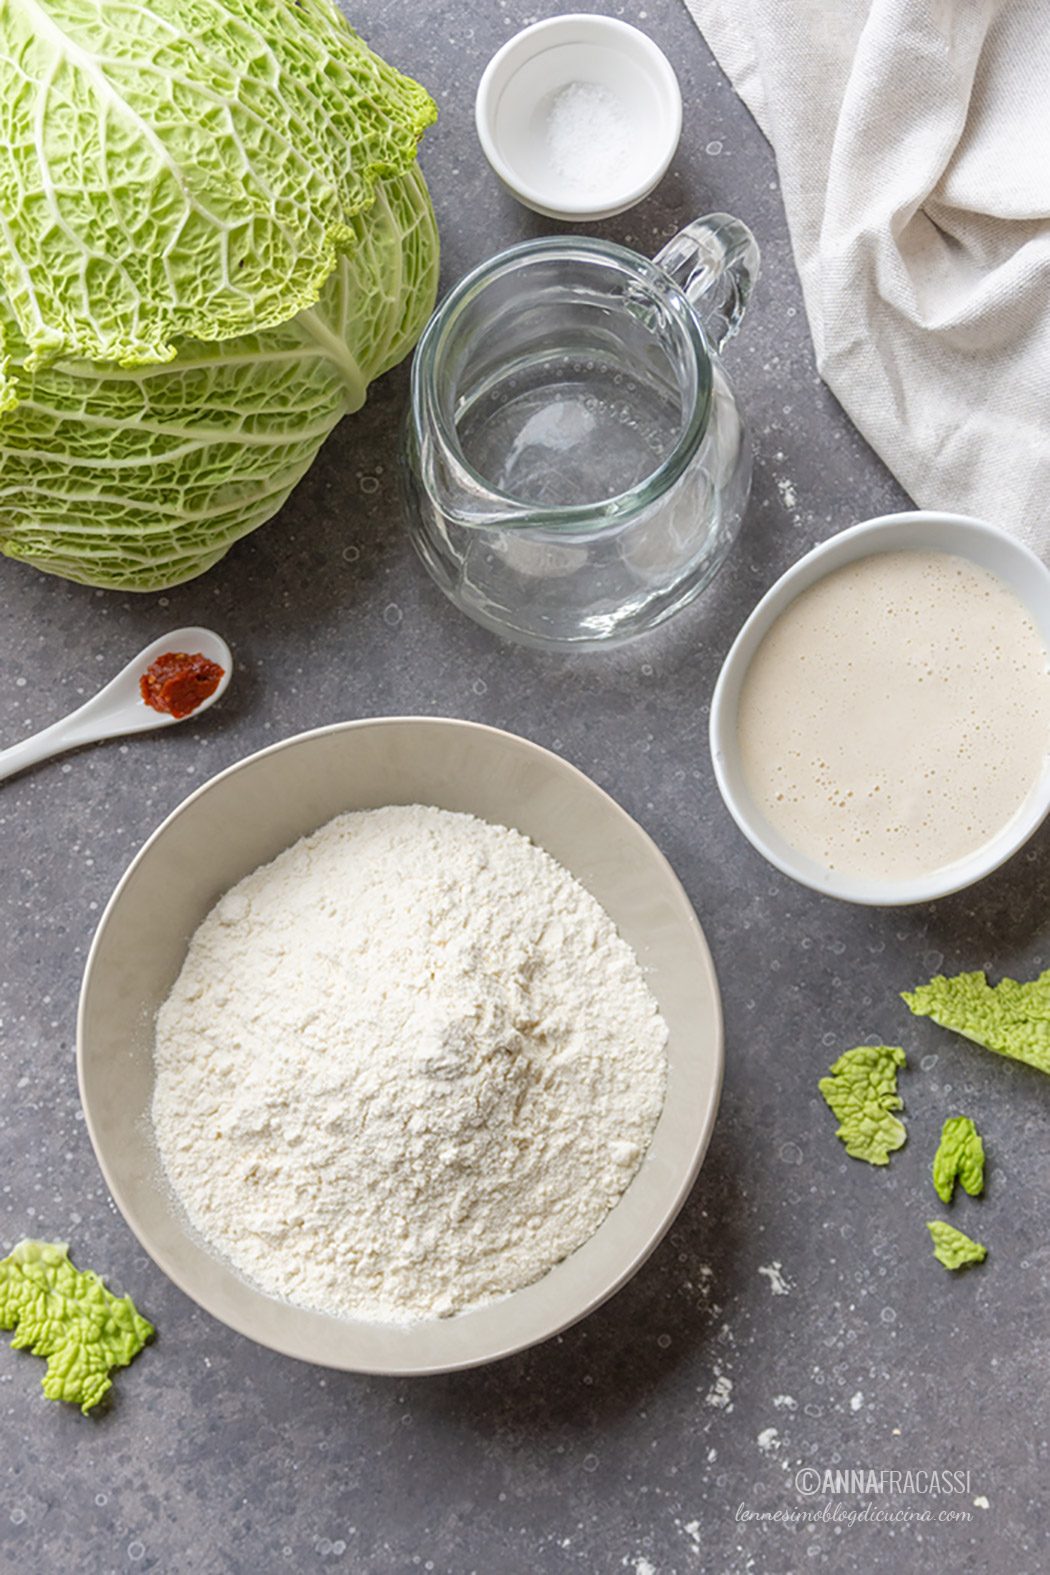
column 912, row 139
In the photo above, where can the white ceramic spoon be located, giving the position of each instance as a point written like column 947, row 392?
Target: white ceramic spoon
column 119, row 708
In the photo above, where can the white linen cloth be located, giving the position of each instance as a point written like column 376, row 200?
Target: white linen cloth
column 912, row 139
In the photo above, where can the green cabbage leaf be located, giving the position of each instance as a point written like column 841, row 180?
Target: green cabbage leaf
column 953, row 1247
column 959, row 1157
column 68, row 1316
column 215, row 236
column 1010, row 1018
column 861, row 1091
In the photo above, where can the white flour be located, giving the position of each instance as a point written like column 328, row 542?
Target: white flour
column 407, row 1067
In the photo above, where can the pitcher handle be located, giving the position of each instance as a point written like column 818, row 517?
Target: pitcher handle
column 715, row 263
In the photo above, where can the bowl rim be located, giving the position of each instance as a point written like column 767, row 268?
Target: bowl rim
column 884, row 532
column 533, row 40
column 610, row 1283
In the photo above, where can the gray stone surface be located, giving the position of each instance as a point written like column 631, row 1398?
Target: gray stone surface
column 600, row 1451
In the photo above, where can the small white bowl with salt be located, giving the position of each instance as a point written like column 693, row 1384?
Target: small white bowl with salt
column 579, row 116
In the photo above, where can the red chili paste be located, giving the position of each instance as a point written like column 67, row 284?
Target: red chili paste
column 177, row 683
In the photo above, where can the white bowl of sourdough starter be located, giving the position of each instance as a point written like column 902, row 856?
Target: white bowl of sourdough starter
column 252, row 812
column 991, row 552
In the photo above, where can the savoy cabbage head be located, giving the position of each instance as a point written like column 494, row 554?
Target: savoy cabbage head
column 214, row 236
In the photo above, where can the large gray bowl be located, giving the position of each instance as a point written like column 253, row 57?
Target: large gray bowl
column 246, row 816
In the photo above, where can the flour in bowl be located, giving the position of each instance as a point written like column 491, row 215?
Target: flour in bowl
column 406, row 1068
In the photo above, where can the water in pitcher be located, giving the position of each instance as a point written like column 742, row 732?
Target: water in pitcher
column 565, row 429
column 575, row 466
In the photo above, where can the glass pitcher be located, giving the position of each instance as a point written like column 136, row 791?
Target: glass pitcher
column 574, row 463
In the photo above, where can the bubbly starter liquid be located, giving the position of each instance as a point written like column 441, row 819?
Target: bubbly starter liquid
column 897, row 715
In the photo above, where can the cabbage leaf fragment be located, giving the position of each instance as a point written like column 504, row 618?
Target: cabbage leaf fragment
column 70, row 1317
column 862, row 1092
column 952, row 1247
column 959, row 1156
column 1010, row 1018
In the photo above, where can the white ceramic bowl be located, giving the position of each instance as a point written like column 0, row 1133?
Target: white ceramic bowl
column 985, row 545
column 522, row 80
column 246, row 816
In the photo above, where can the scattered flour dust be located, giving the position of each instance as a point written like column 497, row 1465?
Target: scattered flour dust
column 406, row 1068
column 778, row 1282
column 692, row 1529
column 720, row 1393
column 786, row 488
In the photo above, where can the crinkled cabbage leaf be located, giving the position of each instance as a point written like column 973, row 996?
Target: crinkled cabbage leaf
column 1010, row 1018
column 215, row 236
column 953, row 1247
column 959, row 1157
column 861, row 1090
column 69, row 1317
